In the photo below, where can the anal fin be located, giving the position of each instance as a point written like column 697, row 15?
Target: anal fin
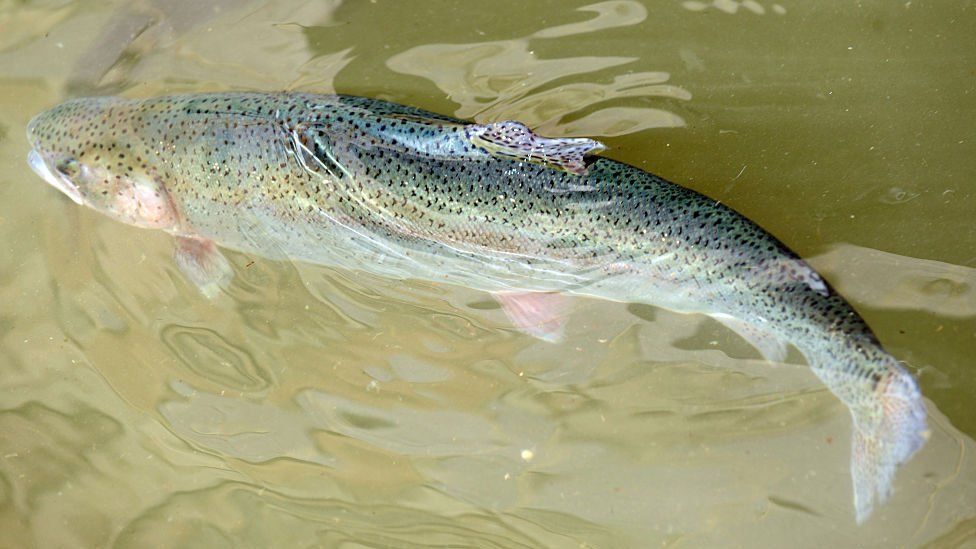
column 538, row 314
column 203, row 264
column 769, row 345
column 516, row 141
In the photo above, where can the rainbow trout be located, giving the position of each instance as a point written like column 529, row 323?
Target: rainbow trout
column 370, row 185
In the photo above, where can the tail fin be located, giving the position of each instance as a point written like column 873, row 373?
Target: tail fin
column 886, row 434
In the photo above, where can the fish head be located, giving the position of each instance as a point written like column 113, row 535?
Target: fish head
column 87, row 149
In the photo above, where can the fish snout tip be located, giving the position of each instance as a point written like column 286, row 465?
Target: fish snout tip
column 36, row 162
column 43, row 170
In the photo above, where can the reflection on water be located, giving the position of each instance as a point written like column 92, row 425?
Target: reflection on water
column 505, row 80
column 318, row 407
column 102, row 49
column 733, row 6
column 132, row 33
column 891, row 281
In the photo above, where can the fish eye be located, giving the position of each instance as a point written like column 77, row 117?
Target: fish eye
column 67, row 167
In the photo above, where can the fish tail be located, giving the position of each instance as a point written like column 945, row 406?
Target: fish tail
column 886, row 433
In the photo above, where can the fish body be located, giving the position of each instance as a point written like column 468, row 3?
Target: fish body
column 370, row 185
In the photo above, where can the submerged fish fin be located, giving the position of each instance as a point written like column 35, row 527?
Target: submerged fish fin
column 538, row 314
column 885, row 435
column 516, row 141
column 203, row 264
column 769, row 345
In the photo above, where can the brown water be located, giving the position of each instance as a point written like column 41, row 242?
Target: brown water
column 326, row 408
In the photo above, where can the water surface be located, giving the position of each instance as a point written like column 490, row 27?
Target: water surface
column 311, row 406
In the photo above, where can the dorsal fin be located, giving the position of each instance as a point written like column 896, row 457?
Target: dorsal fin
column 516, row 141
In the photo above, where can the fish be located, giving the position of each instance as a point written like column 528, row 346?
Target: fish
column 369, row 185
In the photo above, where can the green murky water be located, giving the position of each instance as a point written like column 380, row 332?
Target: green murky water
column 324, row 408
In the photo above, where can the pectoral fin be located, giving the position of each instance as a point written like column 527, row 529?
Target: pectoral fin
column 203, row 264
column 538, row 314
column 769, row 345
column 516, row 141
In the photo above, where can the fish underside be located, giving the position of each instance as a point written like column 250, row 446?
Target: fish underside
column 375, row 186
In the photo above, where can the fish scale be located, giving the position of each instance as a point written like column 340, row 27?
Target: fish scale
column 370, row 185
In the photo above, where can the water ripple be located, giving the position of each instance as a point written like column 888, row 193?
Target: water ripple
column 506, row 79
column 208, row 354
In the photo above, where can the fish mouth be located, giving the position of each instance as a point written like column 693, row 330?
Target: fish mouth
column 55, row 179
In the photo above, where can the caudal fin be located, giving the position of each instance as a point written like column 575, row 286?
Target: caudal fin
column 886, row 434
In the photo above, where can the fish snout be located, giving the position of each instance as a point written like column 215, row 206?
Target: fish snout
column 42, row 128
column 59, row 140
column 42, row 168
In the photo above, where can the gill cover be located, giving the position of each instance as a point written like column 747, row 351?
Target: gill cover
column 128, row 195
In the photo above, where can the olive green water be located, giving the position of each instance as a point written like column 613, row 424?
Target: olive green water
column 312, row 407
